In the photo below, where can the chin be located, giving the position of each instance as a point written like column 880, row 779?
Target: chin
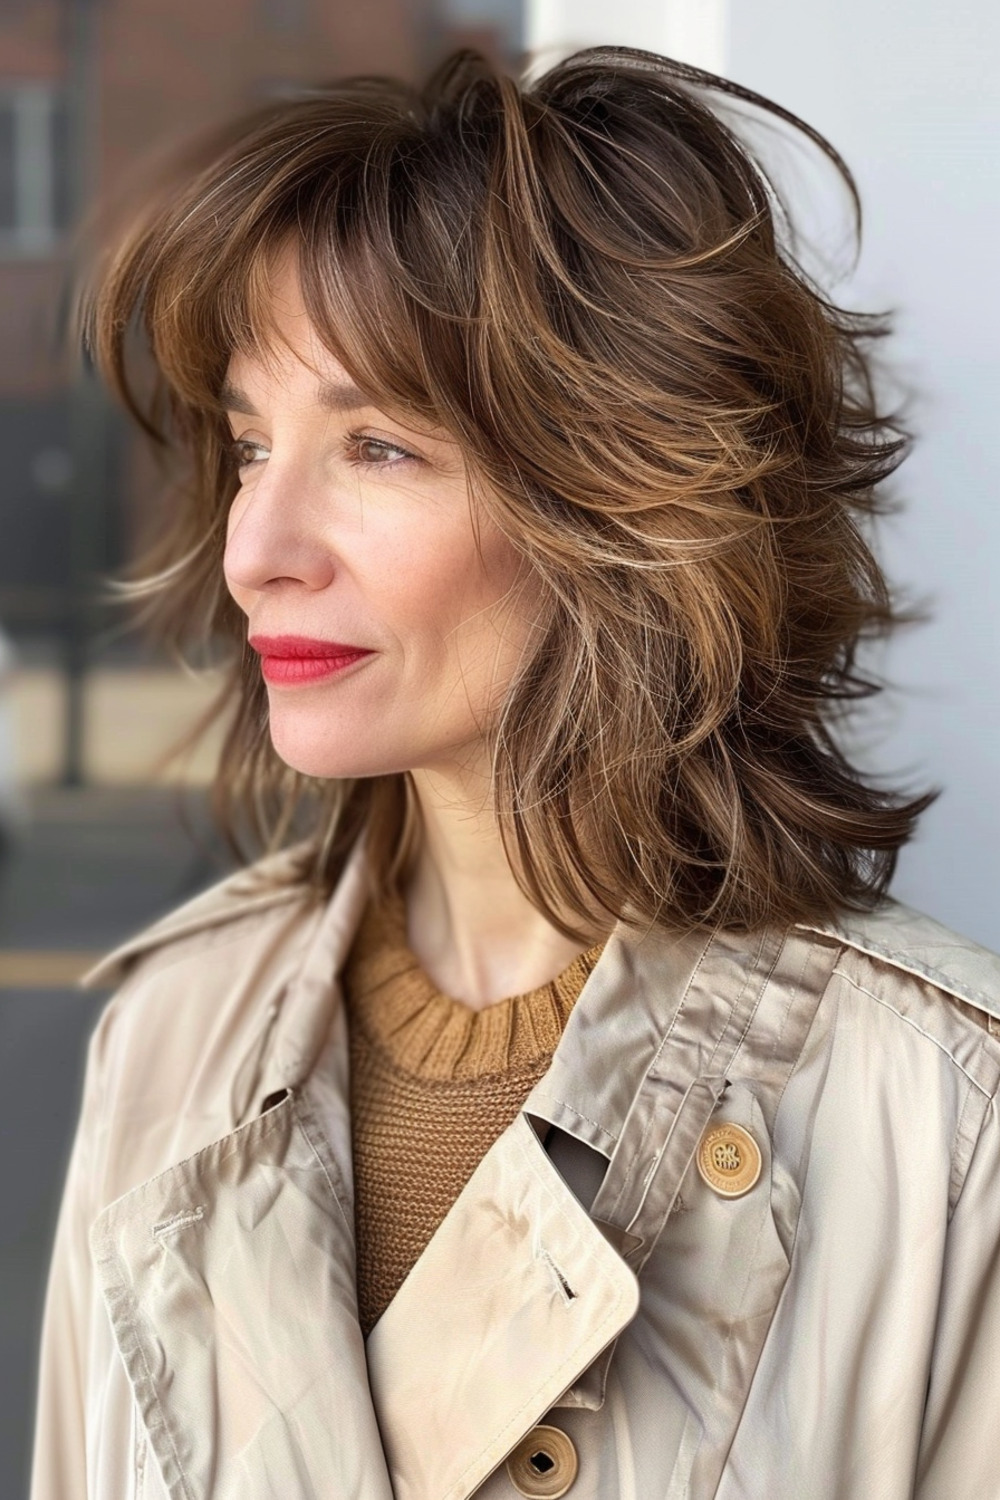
column 312, row 750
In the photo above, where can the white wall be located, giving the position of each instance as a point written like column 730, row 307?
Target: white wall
column 691, row 29
column 908, row 93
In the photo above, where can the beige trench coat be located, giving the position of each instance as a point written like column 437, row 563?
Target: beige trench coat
column 833, row 1334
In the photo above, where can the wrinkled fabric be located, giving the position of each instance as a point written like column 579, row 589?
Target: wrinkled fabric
column 829, row 1335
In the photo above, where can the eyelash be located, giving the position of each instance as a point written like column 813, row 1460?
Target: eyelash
column 355, row 441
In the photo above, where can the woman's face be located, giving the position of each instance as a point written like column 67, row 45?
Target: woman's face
column 353, row 532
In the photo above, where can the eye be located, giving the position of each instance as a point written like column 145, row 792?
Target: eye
column 246, row 451
column 373, row 452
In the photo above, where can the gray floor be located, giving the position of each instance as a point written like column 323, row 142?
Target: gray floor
column 91, row 868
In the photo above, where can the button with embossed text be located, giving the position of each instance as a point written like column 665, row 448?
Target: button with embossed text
column 543, row 1465
column 729, row 1159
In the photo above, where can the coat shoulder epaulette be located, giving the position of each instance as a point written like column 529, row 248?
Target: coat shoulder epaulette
column 908, row 940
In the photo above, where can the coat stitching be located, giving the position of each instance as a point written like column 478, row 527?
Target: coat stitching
column 796, row 989
column 756, row 1005
column 304, row 1119
column 954, row 1184
column 899, row 959
column 565, row 1104
column 629, row 1173
column 892, row 1009
column 265, row 1125
column 125, row 1301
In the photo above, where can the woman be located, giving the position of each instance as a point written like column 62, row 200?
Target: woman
column 567, row 1109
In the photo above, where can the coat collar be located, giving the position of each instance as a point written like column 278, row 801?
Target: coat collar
column 312, row 1003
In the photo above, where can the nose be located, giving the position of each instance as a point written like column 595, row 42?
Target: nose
column 275, row 535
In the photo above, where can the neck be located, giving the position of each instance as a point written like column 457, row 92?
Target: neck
column 476, row 934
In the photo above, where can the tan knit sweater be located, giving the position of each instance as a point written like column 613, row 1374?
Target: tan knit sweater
column 433, row 1083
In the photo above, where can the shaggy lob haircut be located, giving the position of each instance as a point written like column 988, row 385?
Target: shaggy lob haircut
column 582, row 280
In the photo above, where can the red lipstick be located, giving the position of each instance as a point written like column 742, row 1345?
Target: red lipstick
column 292, row 659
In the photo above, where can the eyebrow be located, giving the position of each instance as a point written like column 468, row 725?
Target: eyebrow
column 341, row 395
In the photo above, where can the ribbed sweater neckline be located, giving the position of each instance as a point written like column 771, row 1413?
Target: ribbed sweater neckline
column 432, row 1036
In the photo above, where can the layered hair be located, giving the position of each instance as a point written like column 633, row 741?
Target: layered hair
column 588, row 280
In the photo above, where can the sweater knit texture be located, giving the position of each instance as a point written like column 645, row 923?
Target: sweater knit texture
column 433, row 1083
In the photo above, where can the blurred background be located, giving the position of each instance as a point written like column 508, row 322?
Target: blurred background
column 97, row 834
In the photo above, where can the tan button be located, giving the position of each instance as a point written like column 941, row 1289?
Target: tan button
column 729, row 1159
column 543, row 1465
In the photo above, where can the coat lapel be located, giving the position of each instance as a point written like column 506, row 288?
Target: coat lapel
column 229, row 1278
column 516, row 1294
column 229, row 1282
column 520, row 1291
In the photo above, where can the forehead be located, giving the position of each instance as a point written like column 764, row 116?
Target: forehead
column 248, row 382
column 289, row 359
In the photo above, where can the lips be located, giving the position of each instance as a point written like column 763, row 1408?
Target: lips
column 291, row 659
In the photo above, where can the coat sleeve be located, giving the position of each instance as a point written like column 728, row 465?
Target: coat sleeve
column 59, row 1466
column 958, row 1452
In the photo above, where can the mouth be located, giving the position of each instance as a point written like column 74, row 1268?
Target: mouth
column 293, row 659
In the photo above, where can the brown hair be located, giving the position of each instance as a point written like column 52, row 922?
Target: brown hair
column 583, row 279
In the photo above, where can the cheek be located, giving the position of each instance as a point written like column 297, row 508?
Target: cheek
column 438, row 590
column 477, row 593
column 495, row 603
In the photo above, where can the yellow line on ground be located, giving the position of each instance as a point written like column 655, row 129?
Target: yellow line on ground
column 27, row 969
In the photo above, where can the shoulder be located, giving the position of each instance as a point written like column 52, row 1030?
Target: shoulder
column 203, row 1001
column 943, row 984
column 264, row 897
column 902, row 941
